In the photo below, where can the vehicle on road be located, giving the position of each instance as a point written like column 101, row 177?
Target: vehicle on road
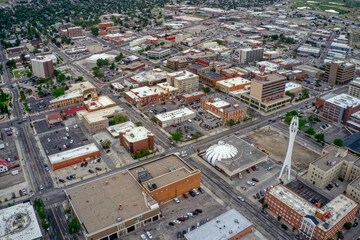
column 240, row 198
column 41, row 187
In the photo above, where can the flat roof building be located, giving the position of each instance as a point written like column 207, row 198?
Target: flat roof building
column 174, row 117
column 114, row 130
column 248, row 55
column 354, row 88
column 42, row 68
column 74, row 156
column 310, row 71
column 232, row 84
column 112, row 206
column 339, row 72
column 307, row 50
column 149, row 77
column 158, row 53
column 136, row 140
column 227, row 226
column 184, row 81
column 19, row 222
column 211, row 77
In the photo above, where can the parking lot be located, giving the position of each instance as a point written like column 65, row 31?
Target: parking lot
column 38, row 105
column 41, row 126
column 307, row 193
column 62, row 139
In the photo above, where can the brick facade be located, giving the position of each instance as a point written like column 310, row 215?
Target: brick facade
column 76, row 160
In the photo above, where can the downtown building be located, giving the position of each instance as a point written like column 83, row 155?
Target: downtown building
column 184, row 81
column 42, row 68
column 313, row 222
column 137, row 139
column 247, row 55
column 339, row 72
column 354, row 88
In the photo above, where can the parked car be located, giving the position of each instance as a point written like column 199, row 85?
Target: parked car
column 198, row 210
column 185, row 196
column 171, row 223
column 201, row 190
column 143, row 237
column 149, row 234
column 301, row 187
column 20, row 193
column 247, row 170
column 255, row 179
column 284, row 227
column 91, row 171
column 61, row 180
column 181, row 219
column 240, row 198
column 263, row 211
column 355, row 224
column 176, row 200
column 192, row 193
column 195, row 191
column 257, row 195
column 98, row 169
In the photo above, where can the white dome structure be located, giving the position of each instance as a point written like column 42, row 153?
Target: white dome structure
column 220, row 151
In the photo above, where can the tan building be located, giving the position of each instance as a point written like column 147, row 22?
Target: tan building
column 353, row 189
column 339, row 72
column 137, row 139
column 185, row 81
column 42, row 68
column 354, row 88
column 76, row 94
column 74, row 32
column 99, row 120
column 335, row 162
column 232, row 84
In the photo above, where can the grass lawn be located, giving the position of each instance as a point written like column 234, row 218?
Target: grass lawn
column 19, row 73
column 322, row 5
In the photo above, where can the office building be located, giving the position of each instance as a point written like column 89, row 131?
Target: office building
column 228, row 226
column 137, row 139
column 337, row 108
column 158, row 53
column 74, row 32
column 19, row 222
column 354, row 88
column 248, row 55
column 232, row 84
column 211, row 78
column 184, row 81
column 311, row 221
column 42, row 68
column 174, row 117
column 339, row 72
column 334, row 163
column 112, row 206
column 151, row 77
column 198, row 68
column 166, row 178
column 115, row 130
column 308, row 50
column 223, row 109
column 74, row 156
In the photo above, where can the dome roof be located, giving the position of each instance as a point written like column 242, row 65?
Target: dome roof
column 220, row 151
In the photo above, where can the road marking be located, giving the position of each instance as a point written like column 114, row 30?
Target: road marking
column 32, row 156
column 57, row 223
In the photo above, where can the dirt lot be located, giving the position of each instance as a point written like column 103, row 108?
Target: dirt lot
column 276, row 144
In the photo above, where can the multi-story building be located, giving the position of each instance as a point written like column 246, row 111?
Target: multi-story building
column 42, row 68
column 311, row 221
column 310, row 71
column 354, row 88
column 174, row 117
column 308, row 50
column 232, row 84
column 184, row 81
column 337, row 108
column 248, row 55
column 198, row 68
column 339, row 72
column 211, row 78
column 137, row 139
column 149, row 77
column 335, row 162
column 74, row 32
column 158, row 53
column 224, row 110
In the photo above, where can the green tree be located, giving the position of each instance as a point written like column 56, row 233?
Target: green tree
column 206, row 89
column 58, row 92
column 278, row 218
column 265, row 205
column 305, row 93
column 338, row 142
column 348, row 225
column 112, row 66
column 153, row 119
column 320, row 137
column 74, row 226
column 11, row 64
column 231, row 122
column 176, row 136
column 138, row 124
column 289, row 94
column 106, row 143
column 310, row 131
column 339, row 233
column 95, row 31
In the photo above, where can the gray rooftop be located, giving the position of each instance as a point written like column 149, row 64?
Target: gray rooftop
column 224, row 226
column 212, row 75
column 197, row 66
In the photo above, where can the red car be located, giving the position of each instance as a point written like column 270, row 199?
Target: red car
column 15, row 166
column 301, row 187
column 185, row 196
column 181, row 219
column 186, row 105
column 247, row 170
column 16, row 158
column 173, row 125
column 20, row 193
column 253, row 168
column 174, row 103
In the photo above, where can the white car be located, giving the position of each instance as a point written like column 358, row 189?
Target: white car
column 176, row 200
column 195, row 191
column 240, row 198
column 176, row 221
column 143, row 237
column 149, row 234
column 250, row 183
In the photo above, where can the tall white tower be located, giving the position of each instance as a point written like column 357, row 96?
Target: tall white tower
column 293, row 130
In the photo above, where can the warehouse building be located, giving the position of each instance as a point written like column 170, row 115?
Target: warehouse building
column 166, row 178
column 112, row 206
column 137, row 139
column 307, row 50
column 228, row 226
column 174, row 117
column 74, row 156
column 311, row 221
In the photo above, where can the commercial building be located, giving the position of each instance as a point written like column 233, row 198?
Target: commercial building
column 166, row 178
column 198, row 68
column 112, row 206
column 19, row 222
column 74, row 32
column 233, row 156
column 307, row 50
column 115, row 130
column 158, row 53
column 193, row 96
column 184, row 81
column 232, row 84
column 77, row 93
column 99, row 120
column 311, row 221
column 228, row 226
column 54, row 119
column 4, row 165
column 137, row 139
column 340, row 46
column 310, row 71
column 42, row 68
column 248, row 55
column 354, row 88
column 151, row 77
column 337, row 108
column 339, row 72
column 223, row 109
column 178, row 62
column 74, row 156
column 354, row 121
column 293, row 88
column 174, row 117
column 211, row 78
column 335, row 162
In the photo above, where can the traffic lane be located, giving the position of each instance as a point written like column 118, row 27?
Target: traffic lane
column 54, row 230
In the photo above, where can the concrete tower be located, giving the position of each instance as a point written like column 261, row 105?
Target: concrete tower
column 293, row 130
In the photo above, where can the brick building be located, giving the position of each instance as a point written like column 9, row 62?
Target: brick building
column 42, row 68
column 211, row 78
column 193, row 96
column 223, row 109
column 137, row 139
column 311, row 221
column 198, row 68
column 74, row 32
column 53, row 119
column 105, row 25
column 74, row 156
column 232, row 84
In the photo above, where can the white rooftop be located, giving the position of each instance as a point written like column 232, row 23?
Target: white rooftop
column 95, row 57
column 181, row 75
column 143, row 91
column 233, row 81
column 344, row 100
column 290, row 86
column 10, row 225
column 218, row 103
column 222, row 227
column 220, row 151
column 66, row 96
column 149, row 76
column 174, row 114
column 73, row 153
column 136, row 134
column 115, row 129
